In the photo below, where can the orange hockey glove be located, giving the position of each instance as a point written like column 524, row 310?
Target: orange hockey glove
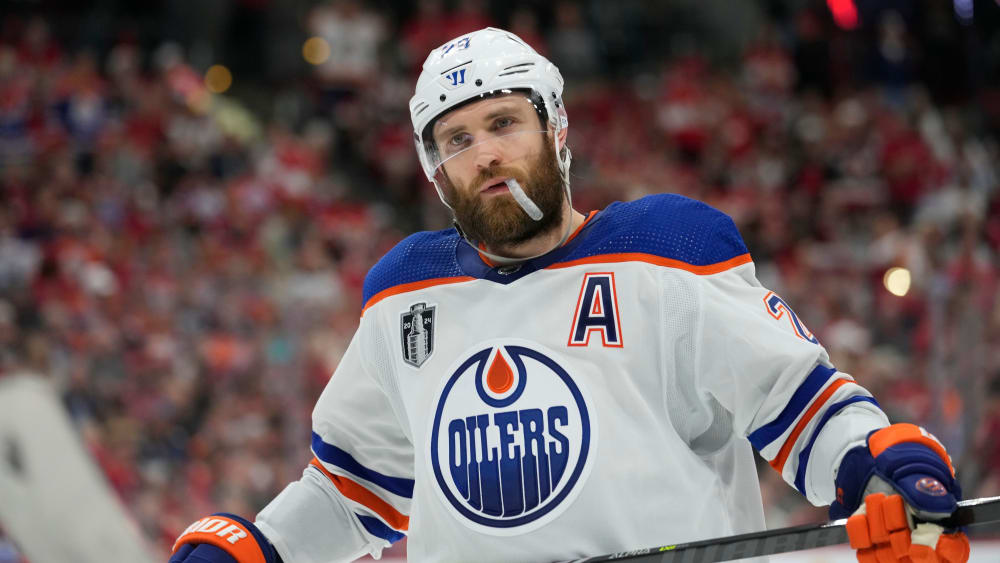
column 882, row 532
column 907, row 484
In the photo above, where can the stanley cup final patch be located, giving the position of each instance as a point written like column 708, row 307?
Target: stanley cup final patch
column 417, row 331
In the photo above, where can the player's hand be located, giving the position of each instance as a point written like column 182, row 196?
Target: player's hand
column 223, row 538
column 882, row 531
column 893, row 492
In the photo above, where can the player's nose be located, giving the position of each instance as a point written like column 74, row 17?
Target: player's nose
column 488, row 155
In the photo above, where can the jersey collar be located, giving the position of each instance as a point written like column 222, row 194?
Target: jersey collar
column 475, row 264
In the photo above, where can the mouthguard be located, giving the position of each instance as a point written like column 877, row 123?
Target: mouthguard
column 523, row 200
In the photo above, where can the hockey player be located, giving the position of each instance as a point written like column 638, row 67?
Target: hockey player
column 537, row 384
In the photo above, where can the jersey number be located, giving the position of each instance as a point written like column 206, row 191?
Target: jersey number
column 777, row 308
column 462, row 43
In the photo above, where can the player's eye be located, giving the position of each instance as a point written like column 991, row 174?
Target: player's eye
column 503, row 122
column 459, row 140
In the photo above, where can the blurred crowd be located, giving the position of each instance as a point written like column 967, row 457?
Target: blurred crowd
column 188, row 271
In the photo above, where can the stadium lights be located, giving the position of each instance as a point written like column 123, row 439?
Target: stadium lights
column 897, row 281
column 316, row 50
column 218, row 79
column 845, row 13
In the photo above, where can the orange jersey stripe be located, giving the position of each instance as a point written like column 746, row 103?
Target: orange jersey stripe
column 659, row 261
column 412, row 286
column 582, row 225
column 599, row 259
column 486, row 259
column 779, row 461
column 363, row 496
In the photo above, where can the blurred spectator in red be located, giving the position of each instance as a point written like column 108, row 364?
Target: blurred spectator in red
column 37, row 48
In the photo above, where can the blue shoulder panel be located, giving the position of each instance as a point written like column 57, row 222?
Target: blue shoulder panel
column 665, row 225
column 420, row 256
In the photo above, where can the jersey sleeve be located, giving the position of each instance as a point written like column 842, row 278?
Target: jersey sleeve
column 354, row 495
column 754, row 357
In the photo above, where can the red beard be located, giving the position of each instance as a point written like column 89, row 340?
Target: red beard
column 499, row 221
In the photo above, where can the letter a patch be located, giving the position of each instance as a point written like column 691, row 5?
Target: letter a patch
column 597, row 311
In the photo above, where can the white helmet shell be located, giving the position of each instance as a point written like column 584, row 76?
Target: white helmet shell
column 477, row 64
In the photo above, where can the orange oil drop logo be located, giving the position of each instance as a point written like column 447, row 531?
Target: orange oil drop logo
column 500, row 377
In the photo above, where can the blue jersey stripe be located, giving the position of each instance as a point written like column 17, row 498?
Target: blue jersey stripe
column 335, row 456
column 768, row 433
column 800, row 473
column 377, row 528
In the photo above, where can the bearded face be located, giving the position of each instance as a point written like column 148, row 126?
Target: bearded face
column 497, row 220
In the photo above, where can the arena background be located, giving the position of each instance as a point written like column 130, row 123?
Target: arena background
column 193, row 191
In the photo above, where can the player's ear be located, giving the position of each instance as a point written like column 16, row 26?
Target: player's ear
column 562, row 137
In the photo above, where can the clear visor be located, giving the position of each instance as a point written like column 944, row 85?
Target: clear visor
column 500, row 131
column 514, row 152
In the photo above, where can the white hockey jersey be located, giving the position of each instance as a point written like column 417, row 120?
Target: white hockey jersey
column 600, row 398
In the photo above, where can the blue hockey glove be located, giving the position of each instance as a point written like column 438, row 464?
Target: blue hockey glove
column 892, row 491
column 223, row 538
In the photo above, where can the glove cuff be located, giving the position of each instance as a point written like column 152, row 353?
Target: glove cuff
column 881, row 440
column 234, row 535
column 910, row 460
column 856, row 468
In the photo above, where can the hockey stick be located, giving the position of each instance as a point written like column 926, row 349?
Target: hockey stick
column 769, row 542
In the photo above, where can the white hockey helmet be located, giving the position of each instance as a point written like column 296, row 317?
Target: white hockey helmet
column 478, row 65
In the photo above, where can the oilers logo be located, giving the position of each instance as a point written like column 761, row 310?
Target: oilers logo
column 512, row 438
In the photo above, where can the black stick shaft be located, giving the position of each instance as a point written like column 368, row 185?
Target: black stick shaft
column 769, row 542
